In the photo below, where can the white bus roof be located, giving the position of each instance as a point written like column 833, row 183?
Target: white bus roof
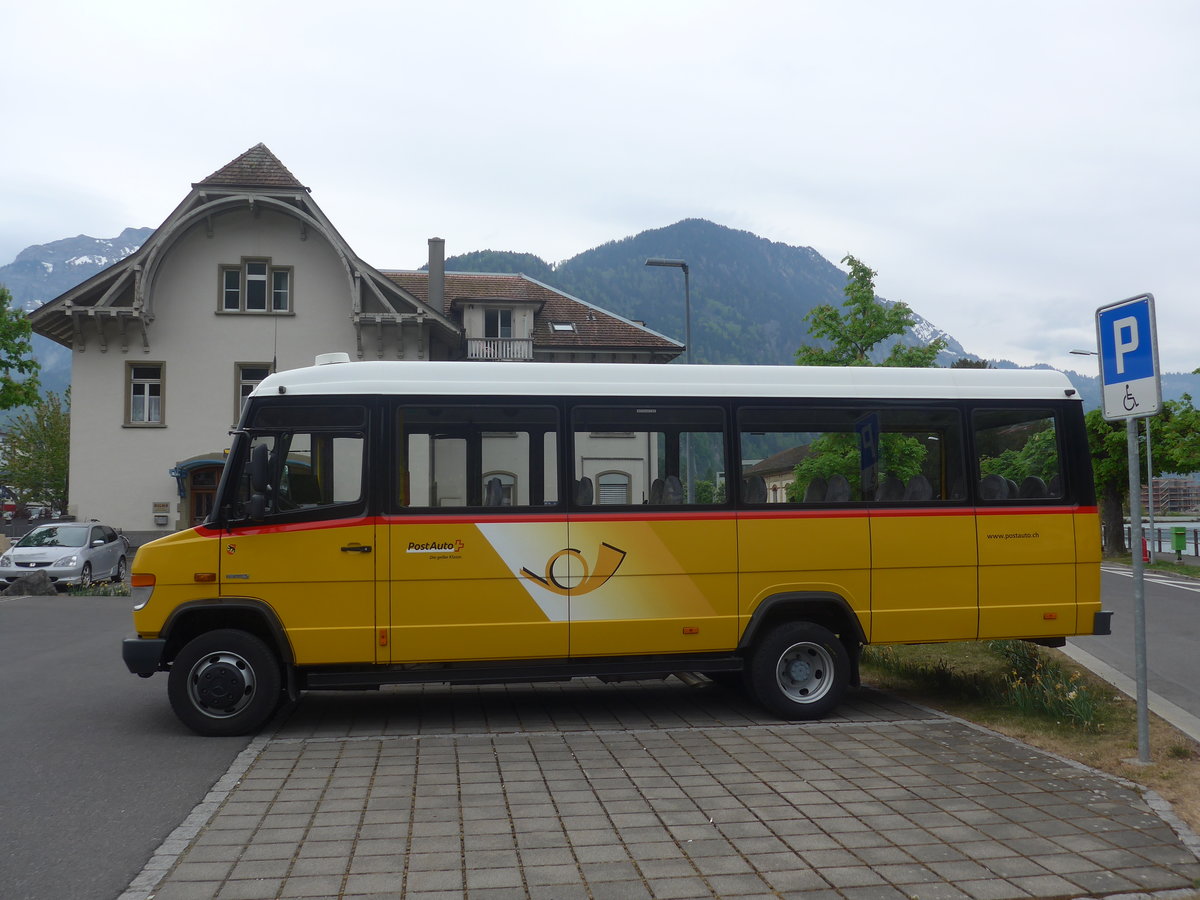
column 476, row 379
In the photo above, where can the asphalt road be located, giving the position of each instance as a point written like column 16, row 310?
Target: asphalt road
column 95, row 770
column 1172, row 633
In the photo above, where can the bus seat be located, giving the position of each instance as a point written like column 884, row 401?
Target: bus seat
column 754, row 489
column 584, row 492
column 993, row 487
column 493, row 495
column 816, row 490
column 918, row 489
column 656, row 492
column 1013, row 490
column 891, row 489
column 1033, row 487
column 672, row 490
column 839, row 489
column 1054, row 488
column 303, row 489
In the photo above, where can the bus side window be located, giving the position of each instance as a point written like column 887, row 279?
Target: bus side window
column 821, row 455
column 459, row 457
column 639, row 455
column 315, row 462
column 319, row 470
column 1017, row 455
column 792, row 454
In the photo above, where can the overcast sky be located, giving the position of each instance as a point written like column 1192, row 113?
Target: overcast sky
column 1005, row 167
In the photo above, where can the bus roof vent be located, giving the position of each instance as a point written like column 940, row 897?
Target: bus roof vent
column 328, row 359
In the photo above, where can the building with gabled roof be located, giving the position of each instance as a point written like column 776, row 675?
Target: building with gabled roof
column 247, row 276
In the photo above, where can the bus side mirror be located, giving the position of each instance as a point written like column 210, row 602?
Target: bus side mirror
column 259, row 485
column 258, row 469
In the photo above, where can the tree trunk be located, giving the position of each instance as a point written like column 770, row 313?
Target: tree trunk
column 1112, row 519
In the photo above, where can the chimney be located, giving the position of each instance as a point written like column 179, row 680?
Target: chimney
column 437, row 273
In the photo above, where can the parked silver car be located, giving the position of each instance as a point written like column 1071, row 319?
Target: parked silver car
column 71, row 553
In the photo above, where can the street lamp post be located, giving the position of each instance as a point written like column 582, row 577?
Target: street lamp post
column 687, row 301
column 687, row 353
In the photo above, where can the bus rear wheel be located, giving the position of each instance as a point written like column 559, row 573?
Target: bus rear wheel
column 225, row 682
column 799, row 671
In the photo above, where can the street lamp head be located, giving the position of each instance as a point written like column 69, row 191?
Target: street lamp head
column 671, row 263
column 1084, row 353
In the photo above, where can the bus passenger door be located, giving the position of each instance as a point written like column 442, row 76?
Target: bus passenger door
column 644, row 586
column 1026, row 529
column 476, row 519
column 651, row 558
column 924, row 583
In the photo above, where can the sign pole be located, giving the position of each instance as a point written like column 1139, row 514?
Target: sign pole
column 1127, row 338
column 1139, row 591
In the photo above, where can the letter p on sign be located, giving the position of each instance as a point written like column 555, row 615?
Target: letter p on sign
column 1125, row 340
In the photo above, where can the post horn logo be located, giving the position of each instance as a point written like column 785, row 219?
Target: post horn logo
column 608, row 560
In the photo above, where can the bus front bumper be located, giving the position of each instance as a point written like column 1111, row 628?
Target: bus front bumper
column 143, row 656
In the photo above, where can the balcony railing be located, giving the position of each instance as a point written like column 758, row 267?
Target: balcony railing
column 500, row 348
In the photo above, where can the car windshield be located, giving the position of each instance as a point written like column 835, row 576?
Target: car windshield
column 56, row 536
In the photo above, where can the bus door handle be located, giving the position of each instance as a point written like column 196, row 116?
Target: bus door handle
column 357, row 548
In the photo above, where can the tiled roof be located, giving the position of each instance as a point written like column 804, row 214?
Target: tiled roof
column 783, row 461
column 257, row 167
column 593, row 326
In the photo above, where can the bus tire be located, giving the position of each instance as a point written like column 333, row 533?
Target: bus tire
column 799, row 671
column 225, row 682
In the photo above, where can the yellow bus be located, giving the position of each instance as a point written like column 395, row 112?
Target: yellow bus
column 382, row 523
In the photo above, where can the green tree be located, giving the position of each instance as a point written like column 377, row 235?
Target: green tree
column 1177, row 437
column 1110, row 471
column 964, row 363
column 866, row 322
column 37, row 451
column 900, row 455
column 18, row 368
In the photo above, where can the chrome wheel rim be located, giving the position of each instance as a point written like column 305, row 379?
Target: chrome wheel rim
column 221, row 684
column 804, row 672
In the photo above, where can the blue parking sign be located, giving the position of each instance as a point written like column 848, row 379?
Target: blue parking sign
column 1128, row 341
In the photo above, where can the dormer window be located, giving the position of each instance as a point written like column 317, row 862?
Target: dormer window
column 498, row 323
column 256, row 286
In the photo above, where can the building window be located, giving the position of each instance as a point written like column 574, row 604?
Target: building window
column 614, row 489
column 256, row 286
column 497, row 323
column 248, row 377
column 144, row 394
column 562, row 326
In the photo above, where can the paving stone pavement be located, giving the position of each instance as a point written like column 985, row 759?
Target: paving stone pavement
column 675, row 789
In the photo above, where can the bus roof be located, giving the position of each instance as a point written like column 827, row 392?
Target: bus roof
column 517, row 379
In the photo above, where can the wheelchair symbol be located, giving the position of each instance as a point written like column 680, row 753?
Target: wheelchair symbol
column 1130, row 402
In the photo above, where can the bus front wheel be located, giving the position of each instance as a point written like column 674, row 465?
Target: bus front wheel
column 799, row 670
column 225, row 682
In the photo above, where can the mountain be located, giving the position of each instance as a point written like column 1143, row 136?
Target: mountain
column 749, row 295
column 43, row 271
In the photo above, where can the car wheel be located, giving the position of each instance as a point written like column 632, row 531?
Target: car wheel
column 120, row 572
column 85, row 575
column 225, row 682
column 799, row 671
